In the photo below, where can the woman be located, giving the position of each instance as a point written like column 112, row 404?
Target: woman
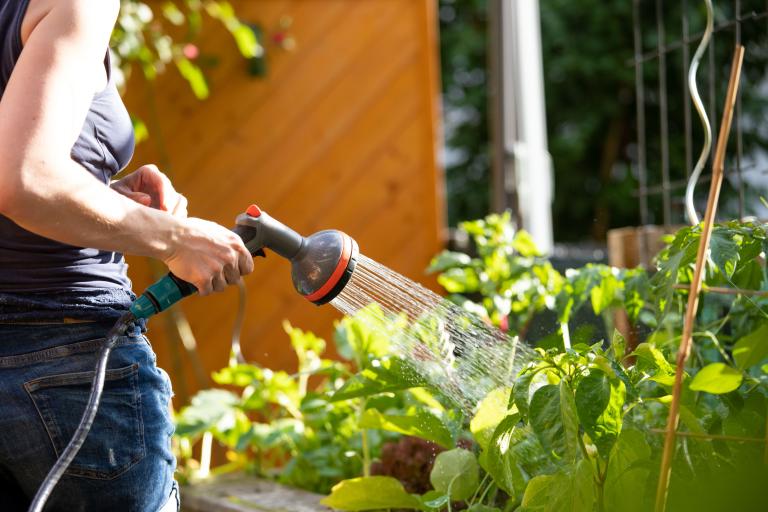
column 64, row 133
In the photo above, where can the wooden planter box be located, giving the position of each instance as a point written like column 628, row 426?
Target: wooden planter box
column 242, row 493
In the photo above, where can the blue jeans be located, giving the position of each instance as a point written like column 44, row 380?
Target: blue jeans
column 126, row 462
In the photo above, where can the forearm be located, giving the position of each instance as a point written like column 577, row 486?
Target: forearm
column 65, row 203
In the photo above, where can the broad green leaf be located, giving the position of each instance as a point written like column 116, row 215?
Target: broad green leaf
column 570, row 421
column 546, row 420
column 605, row 293
column 717, row 378
column 370, row 493
column 569, row 490
column 390, row 375
column 553, row 417
column 752, row 349
column 448, row 259
column 500, row 459
column 650, row 359
column 724, row 252
column 416, row 422
column 207, row 409
column 628, row 471
column 521, row 392
column 490, row 412
column 456, row 473
column 599, row 401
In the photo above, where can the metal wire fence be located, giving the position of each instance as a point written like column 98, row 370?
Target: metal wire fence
column 669, row 136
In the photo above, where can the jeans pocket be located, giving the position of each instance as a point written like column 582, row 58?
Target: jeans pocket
column 116, row 440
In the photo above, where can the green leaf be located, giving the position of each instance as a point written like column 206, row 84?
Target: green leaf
column 390, row 375
column 513, row 451
column 717, row 378
column 448, row 259
column 416, row 422
column 459, row 280
column 605, row 293
column 366, row 335
column 724, row 252
column 649, row 358
column 194, row 75
column 628, row 471
column 490, row 412
column 569, row 490
column 599, row 401
column 521, row 392
column 523, row 243
column 456, row 473
column 206, row 410
column 370, row 493
column 618, row 345
column 434, row 499
column 553, row 417
column 570, row 421
column 752, row 349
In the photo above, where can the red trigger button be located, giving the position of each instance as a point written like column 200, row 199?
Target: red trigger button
column 253, row 211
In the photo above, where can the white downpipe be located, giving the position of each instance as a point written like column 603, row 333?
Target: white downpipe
column 525, row 128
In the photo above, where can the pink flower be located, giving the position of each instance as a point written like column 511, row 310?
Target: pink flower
column 191, row 51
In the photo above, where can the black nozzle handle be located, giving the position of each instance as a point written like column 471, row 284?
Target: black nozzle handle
column 262, row 230
column 185, row 288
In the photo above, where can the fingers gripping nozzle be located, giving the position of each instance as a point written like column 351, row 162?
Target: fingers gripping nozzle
column 321, row 264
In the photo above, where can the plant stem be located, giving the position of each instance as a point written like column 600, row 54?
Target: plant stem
column 566, row 335
column 716, row 437
column 765, row 452
column 482, row 482
column 366, row 454
column 366, row 447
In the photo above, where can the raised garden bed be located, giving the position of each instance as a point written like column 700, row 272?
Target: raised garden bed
column 243, row 493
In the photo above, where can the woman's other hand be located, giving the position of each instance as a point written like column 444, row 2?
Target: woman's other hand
column 150, row 187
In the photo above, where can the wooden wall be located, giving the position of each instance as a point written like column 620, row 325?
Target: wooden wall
column 342, row 133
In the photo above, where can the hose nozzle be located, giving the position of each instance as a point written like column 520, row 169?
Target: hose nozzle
column 321, row 264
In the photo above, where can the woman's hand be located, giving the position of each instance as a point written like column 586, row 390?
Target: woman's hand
column 207, row 255
column 150, row 187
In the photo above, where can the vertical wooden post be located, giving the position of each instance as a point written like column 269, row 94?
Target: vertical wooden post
column 698, row 275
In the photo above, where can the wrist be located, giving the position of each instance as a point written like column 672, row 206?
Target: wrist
column 166, row 242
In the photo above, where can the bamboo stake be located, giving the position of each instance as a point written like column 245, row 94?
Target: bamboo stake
column 698, row 275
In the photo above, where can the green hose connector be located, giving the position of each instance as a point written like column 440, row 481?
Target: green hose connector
column 160, row 296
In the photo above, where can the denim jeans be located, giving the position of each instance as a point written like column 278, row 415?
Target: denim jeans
column 126, row 463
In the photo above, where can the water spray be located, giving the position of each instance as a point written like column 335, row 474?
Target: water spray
column 321, row 266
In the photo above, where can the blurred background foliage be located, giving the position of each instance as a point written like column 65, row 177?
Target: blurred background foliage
column 589, row 75
column 153, row 37
column 589, row 99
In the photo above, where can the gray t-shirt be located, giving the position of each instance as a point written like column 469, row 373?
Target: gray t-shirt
column 72, row 281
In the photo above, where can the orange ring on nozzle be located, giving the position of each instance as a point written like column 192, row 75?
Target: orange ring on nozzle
column 338, row 272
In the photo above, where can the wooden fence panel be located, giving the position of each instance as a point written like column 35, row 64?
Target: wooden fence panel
column 341, row 133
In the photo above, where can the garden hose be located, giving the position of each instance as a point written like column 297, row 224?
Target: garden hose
column 690, row 209
column 321, row 266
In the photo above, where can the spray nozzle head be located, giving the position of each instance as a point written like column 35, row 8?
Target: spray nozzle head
column 321, row 264
column 324, row 265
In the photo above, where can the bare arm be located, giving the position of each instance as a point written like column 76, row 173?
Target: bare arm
column 43, row 190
